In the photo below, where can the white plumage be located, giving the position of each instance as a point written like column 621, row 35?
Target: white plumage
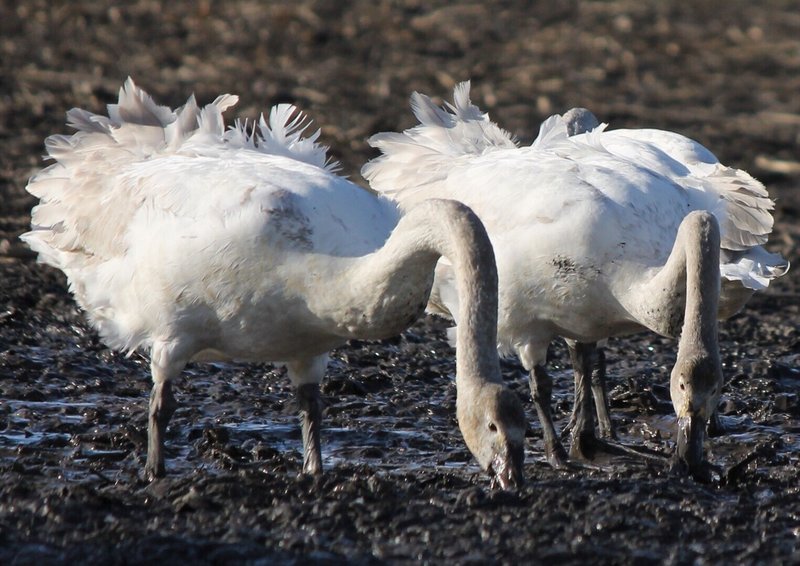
column 195, row 242
column 582, row 226
column 127, row 190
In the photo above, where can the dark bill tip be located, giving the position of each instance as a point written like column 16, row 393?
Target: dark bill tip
column 506, row 469
column 689, row 451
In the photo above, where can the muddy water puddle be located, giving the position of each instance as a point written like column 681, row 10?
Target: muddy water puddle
column 103, row 431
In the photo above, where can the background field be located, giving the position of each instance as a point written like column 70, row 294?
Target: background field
column 400, row 484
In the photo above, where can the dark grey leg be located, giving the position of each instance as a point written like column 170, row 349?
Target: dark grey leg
column 162, row 406
column 541, row 391
column 583, row 437
column 588, row 363
column 600, row 393
column 308, row 398
column 570, row 426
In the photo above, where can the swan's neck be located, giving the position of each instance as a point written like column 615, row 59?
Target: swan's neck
column 696, row 378
column 700, row 328
column 682, row 298
column 386, row 291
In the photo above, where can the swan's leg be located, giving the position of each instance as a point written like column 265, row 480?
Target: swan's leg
column 308, row 398
column 570, row 426
column 600, row 394
column 583, row 437
column 598, row 389
column 541, row 391
column 585, row 444
column 306, row 376
column 165, row 366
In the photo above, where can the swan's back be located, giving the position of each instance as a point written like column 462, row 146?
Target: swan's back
column 740, row 202
column 649, row 180
column 149, row 211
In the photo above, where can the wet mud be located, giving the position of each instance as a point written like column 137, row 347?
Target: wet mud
column 400, row 486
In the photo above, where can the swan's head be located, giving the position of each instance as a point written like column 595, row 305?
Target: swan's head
column 579, row 121
column 493, row 422
column 695, row 386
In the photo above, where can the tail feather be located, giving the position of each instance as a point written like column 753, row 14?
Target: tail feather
column 749, row 208
column 754, row 268
column 739, row 201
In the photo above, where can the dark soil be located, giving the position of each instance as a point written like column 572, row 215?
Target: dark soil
column 400, row 485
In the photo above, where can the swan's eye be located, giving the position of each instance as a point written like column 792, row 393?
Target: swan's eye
column 493, row 427
column 682, row 386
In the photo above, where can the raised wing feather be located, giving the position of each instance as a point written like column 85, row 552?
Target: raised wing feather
column 88, row 175
column 423, row 154
column 745, row 218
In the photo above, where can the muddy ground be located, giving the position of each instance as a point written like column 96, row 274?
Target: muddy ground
column 400, row 486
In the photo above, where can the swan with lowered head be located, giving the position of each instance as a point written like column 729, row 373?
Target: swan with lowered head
column 596, row 234
column 701, row 163
column 195, row 242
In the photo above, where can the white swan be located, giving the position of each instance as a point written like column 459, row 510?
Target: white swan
column 199, row 243
column 596, row 235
